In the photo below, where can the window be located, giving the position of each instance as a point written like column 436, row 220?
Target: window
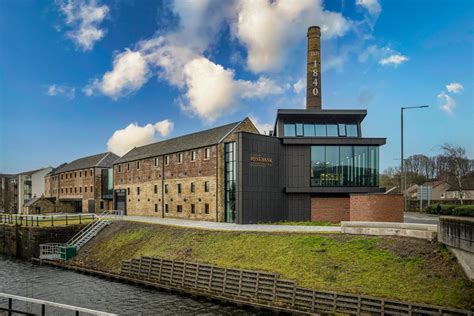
column 156, row 208
column 289, row 130
column 206, row 208
column 119, row 168
column 299, row 130
column 128, row 191
column 332, row 130
column 193, row 187
column 166, row 188
column 75, row 174
column 179, row 157
column 80, row 174
column 351, row 130
column 206, row 186
column 138, row 165
column 193, row 155
column 308, row 130
column 179, row 188
column 166, row 208
column 128, row 166
column 61, row 177
column 92, row 189
column 342, row 130
column 336, row 166
column 193, row 209
column 101, row 205
column 138, row 190
column 85, row 189
column 156, row 161
column 179, row 208
column 320, row 130
column 62, row 190
column 75, row 190
column 80, row 189
column 167, row 160
column 207, row 153
column 155, row 189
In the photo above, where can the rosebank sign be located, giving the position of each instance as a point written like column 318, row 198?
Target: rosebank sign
column 260, row 161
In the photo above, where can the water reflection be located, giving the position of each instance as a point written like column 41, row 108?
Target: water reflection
column 27, row 279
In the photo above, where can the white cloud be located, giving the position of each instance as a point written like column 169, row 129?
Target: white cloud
column 123, row 140
column 68, row 92
column 393, row 60
column 268, row 28
column 448, row 103
column 129, row 73
column 299, row 85
column 385, row 56
column 373, row 6
column 454, row 87
column 263, row 128
column 203, row 76
column 84, row 17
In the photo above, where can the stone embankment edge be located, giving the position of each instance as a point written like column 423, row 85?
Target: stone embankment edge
column 420, row 231
column 124, row 279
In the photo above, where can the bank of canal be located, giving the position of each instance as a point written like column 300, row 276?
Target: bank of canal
column 24, row 278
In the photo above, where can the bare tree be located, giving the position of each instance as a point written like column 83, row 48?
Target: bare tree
column 458, row 166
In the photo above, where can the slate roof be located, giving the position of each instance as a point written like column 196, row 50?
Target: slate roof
column 103, row 160
column 55, row 169
column 195, row 140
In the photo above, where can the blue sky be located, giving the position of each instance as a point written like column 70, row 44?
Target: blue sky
column 82, row 77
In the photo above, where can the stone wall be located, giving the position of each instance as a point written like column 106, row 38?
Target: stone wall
column 331, row 209
column 23, row 242
column 457, row 232
column 376, row 207
column 150, row 172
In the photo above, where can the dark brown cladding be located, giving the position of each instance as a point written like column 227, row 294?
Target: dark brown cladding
column 313, row 69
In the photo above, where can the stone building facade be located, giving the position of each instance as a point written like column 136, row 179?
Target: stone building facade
column 183, row 177
column 82, row 183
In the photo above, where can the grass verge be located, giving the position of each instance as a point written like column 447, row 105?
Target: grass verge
column 399, row 268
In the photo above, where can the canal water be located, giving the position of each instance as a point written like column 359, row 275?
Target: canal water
column 27, row 279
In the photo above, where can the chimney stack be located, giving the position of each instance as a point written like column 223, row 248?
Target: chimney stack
column 313, row 68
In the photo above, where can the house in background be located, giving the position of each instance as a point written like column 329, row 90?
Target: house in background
column 438, row 187
column 83, row 185
column 8, row 193
column 30, row 185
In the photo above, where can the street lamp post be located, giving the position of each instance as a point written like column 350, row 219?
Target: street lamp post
column 403, row 178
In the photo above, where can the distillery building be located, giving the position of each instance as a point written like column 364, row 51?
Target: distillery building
column 315, row 165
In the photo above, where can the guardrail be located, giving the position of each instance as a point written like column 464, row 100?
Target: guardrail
column 267, row 289
column 45, row 220
column 39, row 307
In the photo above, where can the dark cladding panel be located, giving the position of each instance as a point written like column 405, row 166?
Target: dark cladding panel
column 260, row 181
column 298, row 162
column 299, row 206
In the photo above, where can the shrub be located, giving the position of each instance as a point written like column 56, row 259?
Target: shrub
column 441, row 209
column 465, row 210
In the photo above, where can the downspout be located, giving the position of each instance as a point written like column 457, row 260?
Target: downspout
column 217, row 182
column 162, row 186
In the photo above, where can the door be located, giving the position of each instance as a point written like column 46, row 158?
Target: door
column 121, row 201
column 91, row 206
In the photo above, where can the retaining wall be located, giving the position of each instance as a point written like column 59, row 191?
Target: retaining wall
column 23, row 242
column 268, row 289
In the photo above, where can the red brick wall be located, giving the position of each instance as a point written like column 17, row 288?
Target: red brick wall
column 331, row 209
column 376, row 207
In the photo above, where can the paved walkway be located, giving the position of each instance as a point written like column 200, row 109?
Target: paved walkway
column 409, row 217
column 234, row 227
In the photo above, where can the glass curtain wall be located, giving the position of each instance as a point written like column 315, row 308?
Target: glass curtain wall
column 344, row 166
column 230, row 178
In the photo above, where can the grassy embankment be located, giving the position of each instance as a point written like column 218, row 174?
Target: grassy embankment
column 405, row 269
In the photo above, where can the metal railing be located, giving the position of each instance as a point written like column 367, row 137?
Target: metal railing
column 55, row 251
column 40, row 307
column 45, row 220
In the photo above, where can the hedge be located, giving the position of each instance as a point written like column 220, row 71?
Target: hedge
column 446, row 209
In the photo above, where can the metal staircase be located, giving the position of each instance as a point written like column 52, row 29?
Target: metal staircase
column 70, row 248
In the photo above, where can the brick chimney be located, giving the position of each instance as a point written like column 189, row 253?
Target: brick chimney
column 313, row 68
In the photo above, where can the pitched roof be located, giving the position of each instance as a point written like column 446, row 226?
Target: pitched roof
column 195, row 140
column 103, row 160
column 57, row 168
